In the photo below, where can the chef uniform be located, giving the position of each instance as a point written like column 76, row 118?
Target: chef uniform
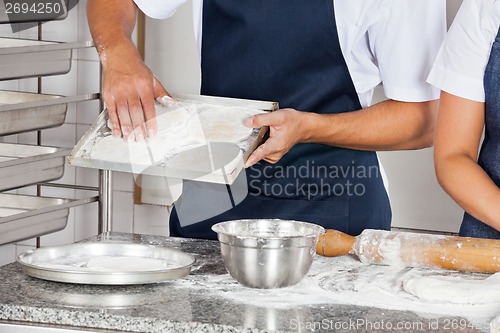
column 290, row 52
column 468, row 66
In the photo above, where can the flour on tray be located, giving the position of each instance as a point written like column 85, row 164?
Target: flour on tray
column 180, row 127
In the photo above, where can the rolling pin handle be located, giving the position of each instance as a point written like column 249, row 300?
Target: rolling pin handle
column 334, row 243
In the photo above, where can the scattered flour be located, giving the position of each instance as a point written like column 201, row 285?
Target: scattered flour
column 495, row 325
column 345, row 280
column 455, row 289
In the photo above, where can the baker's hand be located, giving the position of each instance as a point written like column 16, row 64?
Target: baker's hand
column 285, row 132
column 129, row 91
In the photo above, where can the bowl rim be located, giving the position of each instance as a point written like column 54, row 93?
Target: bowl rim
column 216, row 228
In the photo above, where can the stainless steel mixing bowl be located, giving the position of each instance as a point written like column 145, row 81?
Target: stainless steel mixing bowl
column 267, row 253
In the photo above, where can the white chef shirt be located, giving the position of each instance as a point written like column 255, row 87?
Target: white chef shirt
column 393, row 42
column 462, row 60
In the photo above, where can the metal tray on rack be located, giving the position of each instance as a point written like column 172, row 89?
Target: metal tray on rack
column 22, row 165
column 187, row 164
column 17, row 117
column 21, row 58
column 24, row 217
column 76, row 263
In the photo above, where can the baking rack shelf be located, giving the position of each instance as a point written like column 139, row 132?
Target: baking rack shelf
column 21, row 216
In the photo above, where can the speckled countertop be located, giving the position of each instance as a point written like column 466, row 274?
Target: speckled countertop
column 209, row 300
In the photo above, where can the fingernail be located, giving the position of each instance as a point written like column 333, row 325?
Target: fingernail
column 139, row 137
column 249, row 163
column 248, row 121
column 166, row 101
column 151, row 132
column 131, row 137
column 116, row 133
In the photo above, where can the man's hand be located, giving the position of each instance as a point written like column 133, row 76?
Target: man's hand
column 129, row 91
column 286, row 127
column 129, row 87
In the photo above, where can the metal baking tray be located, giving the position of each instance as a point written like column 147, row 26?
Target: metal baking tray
column 24, row 217
column 70, row 263
column 22, row 165
column 23, row 112
column 180, row 165
column 21, row 58
column 23, row 119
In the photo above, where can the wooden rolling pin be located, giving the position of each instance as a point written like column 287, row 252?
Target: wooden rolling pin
column 414, row 250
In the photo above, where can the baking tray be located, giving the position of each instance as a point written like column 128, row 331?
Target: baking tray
column 24, row 112
column 32, row 118
column 179, row 165
column 24, row 217
column 20, row 58
column 22, row 165
column 71, row 263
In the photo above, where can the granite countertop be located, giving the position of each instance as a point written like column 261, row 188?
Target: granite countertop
column 334, row 296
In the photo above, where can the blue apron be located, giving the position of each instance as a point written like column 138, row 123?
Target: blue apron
column 286, row 51
column 489, row 157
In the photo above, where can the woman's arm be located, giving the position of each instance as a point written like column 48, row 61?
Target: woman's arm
column 458, row 136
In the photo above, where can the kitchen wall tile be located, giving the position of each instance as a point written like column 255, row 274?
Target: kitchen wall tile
column 23, row 248
column 7, row 254
column 28, row 138
column 6, row 31
column 122, row 211
column 28, row 85
column 58, row 192
column 88, row 111
column 87, row 177
column 28, row 190
column 62, row 30
column 151, row 220
column 71, row 114
column 86, row 217
column 10, row 138
column 64, row 84
column 63, row 136
column 88, row 79
column 28, row 242
column 123, row 181
column 69, row 176
column 28, row 31
column 9, row 84
column 84, row 33
column 65, row 236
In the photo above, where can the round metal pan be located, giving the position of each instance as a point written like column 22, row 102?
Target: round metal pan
column 67, row 263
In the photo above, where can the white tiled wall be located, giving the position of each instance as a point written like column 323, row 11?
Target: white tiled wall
column 82, row 79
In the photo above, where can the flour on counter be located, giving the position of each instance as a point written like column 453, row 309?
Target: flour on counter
column 346, row 280
column 455, row 289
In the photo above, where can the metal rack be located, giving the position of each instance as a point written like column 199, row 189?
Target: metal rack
column 24, row 217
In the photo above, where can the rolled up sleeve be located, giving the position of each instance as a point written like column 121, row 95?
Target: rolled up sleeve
column 159, row 9
column 405, row 45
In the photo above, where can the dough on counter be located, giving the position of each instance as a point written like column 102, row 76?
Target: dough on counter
column 455, row 289
column 126, row 264
column 495, row 325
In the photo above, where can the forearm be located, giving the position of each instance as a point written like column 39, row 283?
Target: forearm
column 111, row 24
column 467, row 183
column 389, row 125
